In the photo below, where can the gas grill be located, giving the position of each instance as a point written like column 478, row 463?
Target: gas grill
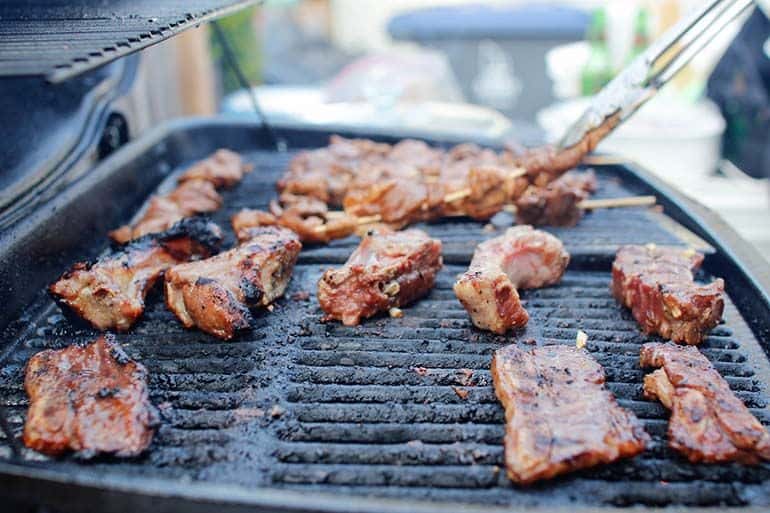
column 295, row 415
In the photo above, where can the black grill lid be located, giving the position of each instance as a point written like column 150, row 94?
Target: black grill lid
column 59, row 39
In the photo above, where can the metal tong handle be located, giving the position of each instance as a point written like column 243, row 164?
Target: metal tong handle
column 653, row 69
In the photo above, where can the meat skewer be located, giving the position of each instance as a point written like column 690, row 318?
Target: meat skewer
column 520, row 258
column 387, row 270
column 708, row 423
column 559, row 417
column 216, row 294
column 657, row 284
column 90, row 399
column 195, row 194
column 110, row 292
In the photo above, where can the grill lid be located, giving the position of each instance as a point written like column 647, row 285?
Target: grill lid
column 60, row 39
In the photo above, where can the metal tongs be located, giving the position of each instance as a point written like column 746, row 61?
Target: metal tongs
column 651, row 70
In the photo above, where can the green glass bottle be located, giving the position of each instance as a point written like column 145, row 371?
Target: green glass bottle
column 598, row 69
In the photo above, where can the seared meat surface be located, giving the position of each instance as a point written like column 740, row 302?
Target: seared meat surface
column 224, row 168
column 188, row 199
column 520, row 258
column 303, row 215
column 215, row 294
column 387, row 270
column 89, row 399
column 110, row 292
column 657, row 284
column 708, row 423
column 195, row 194
column 559, row 417
column 556, row 204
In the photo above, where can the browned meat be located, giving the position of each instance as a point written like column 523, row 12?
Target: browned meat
column 559, row 416
column 299, row 218
column 387, row 270
column 89, row 399
column 110, row 292
column 520, row 258
column 708, row 423
column 224, row 168
column 215, row 294
column 556, row 204
column 657, row 284
column 188, row 199
column 398, row 202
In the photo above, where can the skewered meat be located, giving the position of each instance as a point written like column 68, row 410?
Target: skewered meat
column 89, row 399
column 656, row 283
column 224, row 168
column 188, row 199
column 303, row 218
column 557, row 203
column 215, row 294
column 520, row 258
column 110, row 292
column 708, row 423
column 559, row 416
column 387, row 270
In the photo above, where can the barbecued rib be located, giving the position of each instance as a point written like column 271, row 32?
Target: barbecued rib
column 656, row 283
column 388, row 269
column 110, row 292
column 224, row 168
column 520, row 258
column 215, row 294
column 189, row 198
column 708, row 423
column 557, row 203
column 89, row 399
column 559, row 416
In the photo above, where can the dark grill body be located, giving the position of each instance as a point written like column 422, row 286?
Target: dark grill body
column 294, row 405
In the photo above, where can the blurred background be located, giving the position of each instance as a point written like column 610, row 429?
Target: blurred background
column 515, row 70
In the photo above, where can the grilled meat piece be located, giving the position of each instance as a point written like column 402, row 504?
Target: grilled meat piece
column 110, row 292
column 657, row 284
column 398, row 202
column 559, row 416
column 188, row 199
column 520, row 258
column 89, row 399
column 708, row 423
column 387, row 270
column 215, row 294
column 556, row 204
column 224, row 168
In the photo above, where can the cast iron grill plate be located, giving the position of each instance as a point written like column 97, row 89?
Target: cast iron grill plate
column 61, row 39
column 376, row 410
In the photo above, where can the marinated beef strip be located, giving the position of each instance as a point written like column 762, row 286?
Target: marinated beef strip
column 387, row 270
column 656, row 283
column 216, row 294
column 521, row 258
column 301, row 214
column 110, row 292
column 708, row 423
column 224, row 168
column 559, row 417
column 90, row 399
column 188, row 199
column 557, row 203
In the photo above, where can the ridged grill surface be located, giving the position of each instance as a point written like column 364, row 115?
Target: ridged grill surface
column 400, row 407
column 62, row 39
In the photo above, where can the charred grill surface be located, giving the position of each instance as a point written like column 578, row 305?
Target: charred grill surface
column 404, row 407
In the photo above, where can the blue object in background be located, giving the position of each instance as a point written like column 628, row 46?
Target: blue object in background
column 497, row 53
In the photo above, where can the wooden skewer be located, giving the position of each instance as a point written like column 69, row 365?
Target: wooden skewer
column 464, row 193
column 603, row 160
column 631, row 201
